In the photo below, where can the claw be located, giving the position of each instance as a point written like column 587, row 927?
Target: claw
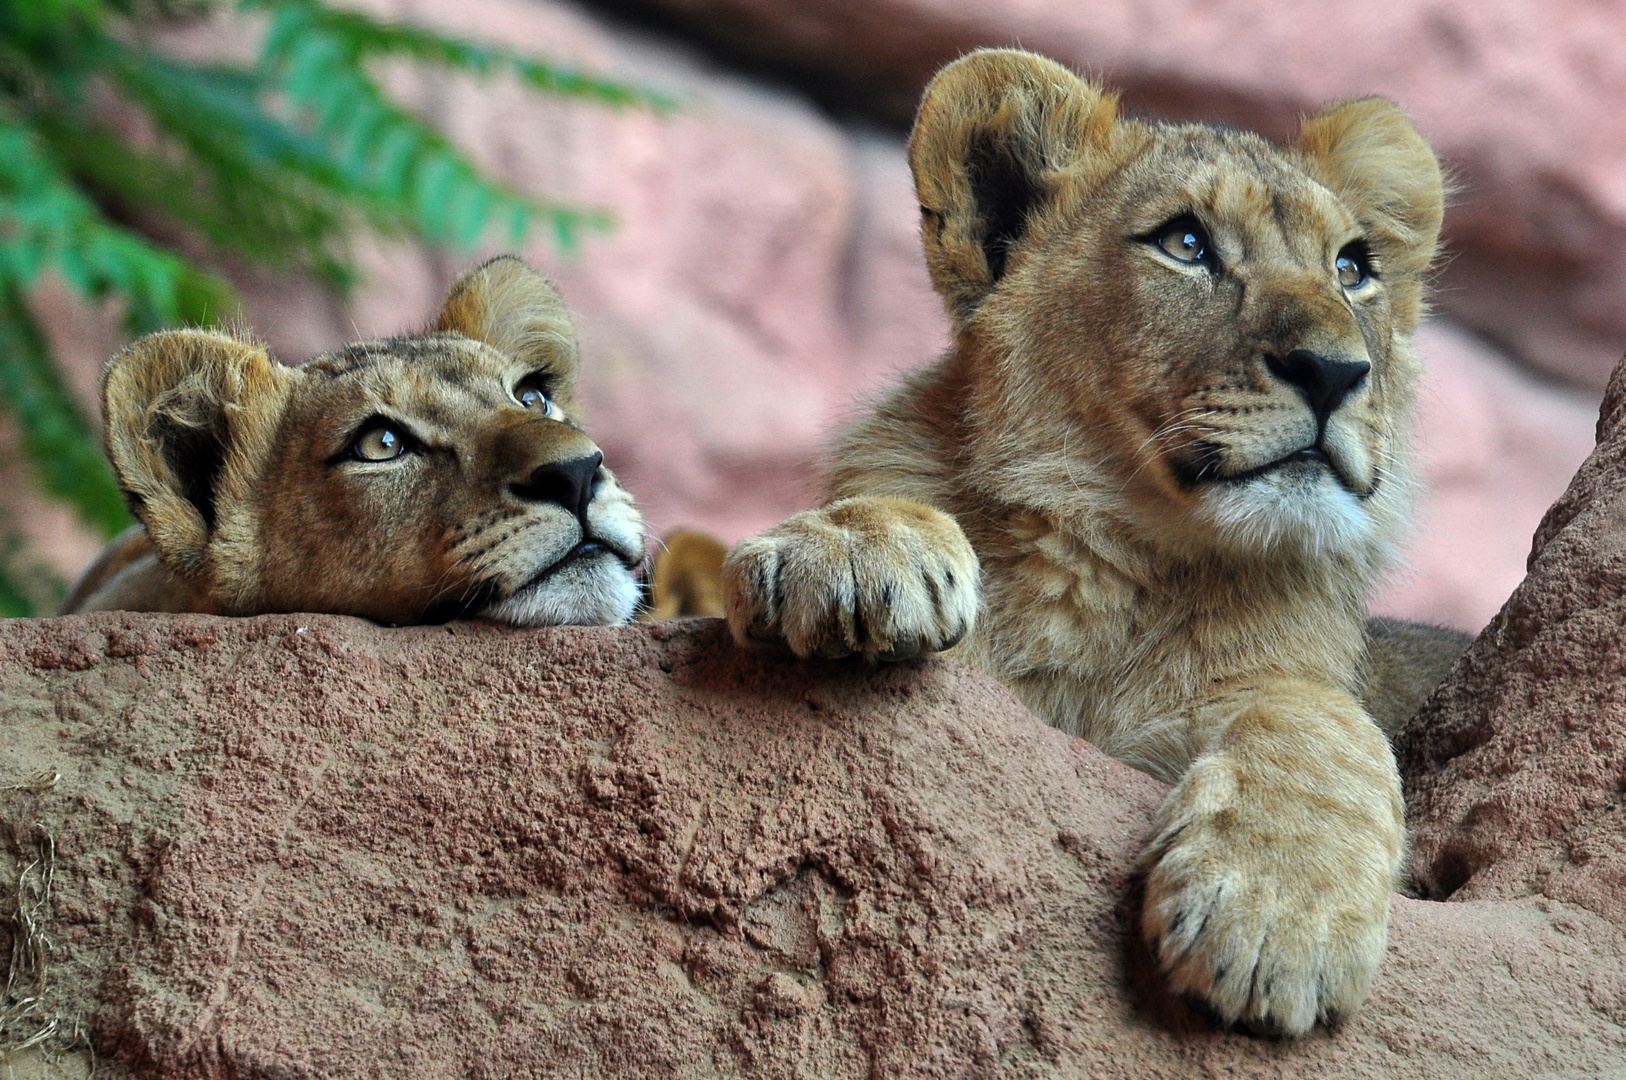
column 901, row 650
column 867, row 578
column 832, row 649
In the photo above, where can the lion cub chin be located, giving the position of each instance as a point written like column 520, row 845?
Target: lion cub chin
column 409, row 480
column 1168, row 446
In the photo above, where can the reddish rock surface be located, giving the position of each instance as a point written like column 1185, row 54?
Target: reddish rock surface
column 1518, row 765
column 309, row 846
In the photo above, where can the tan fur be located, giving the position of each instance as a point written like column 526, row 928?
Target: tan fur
column 1163, row 569
column 1403, row 664
column 252, row 498
column 687, row 577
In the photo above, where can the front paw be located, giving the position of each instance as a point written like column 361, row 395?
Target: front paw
column 1268, row 911
column 888, row 578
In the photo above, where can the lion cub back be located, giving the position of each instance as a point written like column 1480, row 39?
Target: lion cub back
column 1404, row 663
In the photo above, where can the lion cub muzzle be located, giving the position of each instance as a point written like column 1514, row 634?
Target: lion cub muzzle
column 1287, row 451
column 592, row 575
column 566, row 484
column 1323, row 382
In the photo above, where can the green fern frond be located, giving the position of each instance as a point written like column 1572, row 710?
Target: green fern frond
column 361, row 37
column 46, row 222
column 390, row 154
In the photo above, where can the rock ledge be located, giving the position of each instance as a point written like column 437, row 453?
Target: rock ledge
column 310, row 846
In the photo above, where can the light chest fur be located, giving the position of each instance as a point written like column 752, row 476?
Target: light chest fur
column 1118, row 650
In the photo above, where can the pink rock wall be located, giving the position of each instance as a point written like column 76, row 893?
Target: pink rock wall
column 1495, row 445
column 765, row 274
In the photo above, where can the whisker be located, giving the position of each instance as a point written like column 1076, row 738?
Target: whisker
column 1181, row 423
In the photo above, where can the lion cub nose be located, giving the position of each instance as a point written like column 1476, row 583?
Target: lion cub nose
column 1325, row 383
column 564, row 483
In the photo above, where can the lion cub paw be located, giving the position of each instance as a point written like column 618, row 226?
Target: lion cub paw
column 888, row 578
column 1266, row 920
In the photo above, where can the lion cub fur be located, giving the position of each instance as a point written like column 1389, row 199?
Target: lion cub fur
column 1149, row 487
column 259, row 487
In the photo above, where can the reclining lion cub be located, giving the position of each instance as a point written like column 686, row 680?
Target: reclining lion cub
column 1171, row 430
column 409, row 480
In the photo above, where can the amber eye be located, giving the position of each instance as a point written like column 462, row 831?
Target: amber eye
column 529, row 394
column 1185, row 240
column 379, row 443
column 1352, row 266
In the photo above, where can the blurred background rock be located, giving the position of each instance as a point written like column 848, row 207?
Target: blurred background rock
column 763, row 273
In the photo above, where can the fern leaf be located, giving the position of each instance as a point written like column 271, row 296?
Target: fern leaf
column 360, row 37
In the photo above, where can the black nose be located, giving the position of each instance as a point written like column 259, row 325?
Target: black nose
column 1325, row 382
column 568, row 484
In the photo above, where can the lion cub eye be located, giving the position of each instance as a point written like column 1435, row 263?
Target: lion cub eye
column 1184, row 240
column 529, row 394
column 379, row 443
column 1352, row 265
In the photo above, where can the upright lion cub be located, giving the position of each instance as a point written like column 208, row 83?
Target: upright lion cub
column 1171, row 431
column 407, row 480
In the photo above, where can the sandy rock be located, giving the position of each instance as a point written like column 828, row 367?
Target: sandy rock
column 1518, row 95
column 1518, row 765
column 311, row 846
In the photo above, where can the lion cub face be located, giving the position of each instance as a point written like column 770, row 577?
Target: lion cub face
column 407, row 480
column 1205, row 330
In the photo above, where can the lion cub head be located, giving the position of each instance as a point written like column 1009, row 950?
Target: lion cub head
column 1188, row 327
column 407, row 480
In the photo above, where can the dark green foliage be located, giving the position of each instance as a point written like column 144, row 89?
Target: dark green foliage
column 278, row 162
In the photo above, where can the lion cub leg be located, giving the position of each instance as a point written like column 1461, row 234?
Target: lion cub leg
column 1273, row 859
column 888, row 578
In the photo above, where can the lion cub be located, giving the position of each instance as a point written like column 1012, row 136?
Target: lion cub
column 409, row 480
column 1171, row 431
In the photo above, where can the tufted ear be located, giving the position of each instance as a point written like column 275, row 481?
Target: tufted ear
column 1368, row 153
column 512, row 308
column 190, row 417
column 994, row 130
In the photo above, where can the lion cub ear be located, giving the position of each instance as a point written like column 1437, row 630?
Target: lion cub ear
column 1368, row 153
column 993, row 131
column 190, row 419
column 512, row 308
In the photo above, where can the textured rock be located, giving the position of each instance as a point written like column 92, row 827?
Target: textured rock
column 311, row 846
column 1520, row 96
column 1518, row 766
